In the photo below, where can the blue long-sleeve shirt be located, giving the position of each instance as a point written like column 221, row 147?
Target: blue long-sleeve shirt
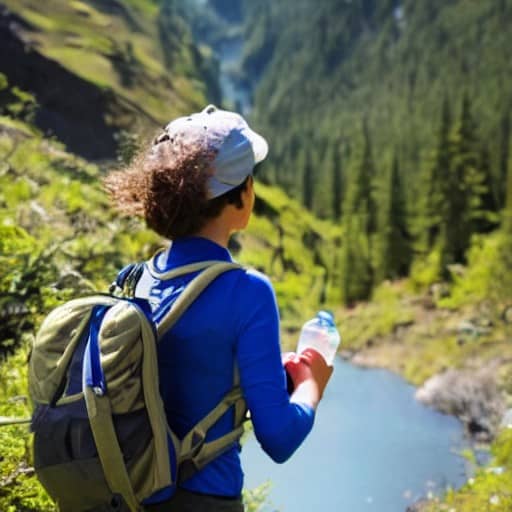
column 234, row 320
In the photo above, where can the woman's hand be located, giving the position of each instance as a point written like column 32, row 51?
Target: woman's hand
column 309, row 373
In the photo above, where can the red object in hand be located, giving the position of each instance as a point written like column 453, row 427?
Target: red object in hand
column 307, row 366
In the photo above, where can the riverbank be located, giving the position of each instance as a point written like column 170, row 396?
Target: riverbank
column 456, row 348
column 458, row 357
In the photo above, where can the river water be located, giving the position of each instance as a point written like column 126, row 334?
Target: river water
column 229, row 54
column 373, row 448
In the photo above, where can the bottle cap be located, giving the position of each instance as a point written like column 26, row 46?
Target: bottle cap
column 326, row 317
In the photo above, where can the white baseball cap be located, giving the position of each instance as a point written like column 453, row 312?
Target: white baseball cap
column 238, row 148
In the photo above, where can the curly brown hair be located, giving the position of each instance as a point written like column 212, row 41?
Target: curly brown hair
column 166, row 185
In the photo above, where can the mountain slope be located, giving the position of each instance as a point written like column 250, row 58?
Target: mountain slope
column 391, row 118
column 391, row 63
column 98, row 68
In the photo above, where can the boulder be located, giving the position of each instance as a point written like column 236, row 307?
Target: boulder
column 472, row 396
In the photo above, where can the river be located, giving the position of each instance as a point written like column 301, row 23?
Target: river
column 373, row 448
column 229, row 53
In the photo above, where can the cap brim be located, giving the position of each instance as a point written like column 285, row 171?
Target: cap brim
column 259, row 146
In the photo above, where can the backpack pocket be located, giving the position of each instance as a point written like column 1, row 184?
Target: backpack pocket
column 67, row 462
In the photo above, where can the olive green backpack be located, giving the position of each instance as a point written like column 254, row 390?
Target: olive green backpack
column 101, row 438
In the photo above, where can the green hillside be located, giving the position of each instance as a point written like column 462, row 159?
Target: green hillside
column 390, row 63
column 392, row 118
column 118, row 66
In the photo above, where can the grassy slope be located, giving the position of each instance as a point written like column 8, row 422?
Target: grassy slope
column 418, row 336
column 87, row 41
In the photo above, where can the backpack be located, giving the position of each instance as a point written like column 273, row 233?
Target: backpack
column 101, row 438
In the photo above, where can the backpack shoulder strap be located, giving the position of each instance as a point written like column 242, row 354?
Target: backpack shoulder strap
column 193, row 289
column 100, row 411
column 195, row 451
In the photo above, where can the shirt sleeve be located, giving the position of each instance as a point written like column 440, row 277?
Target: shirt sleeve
column 279, row 425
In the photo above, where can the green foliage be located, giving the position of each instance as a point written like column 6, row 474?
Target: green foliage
column 356, row 270
column 23, row 272
column 486, row 277
column 507, row 221
column 308, row 183
column 393, row 252
column 425, row 270
column 359, row 227
column 464, row 188
column 432, row 199
column 128, row 144
column 255, row 499
column 504, row 156
column 16, row 103
column 489, row 489
column 19, row 488
column 297, row 250
column 365, row 324
column 4, row 83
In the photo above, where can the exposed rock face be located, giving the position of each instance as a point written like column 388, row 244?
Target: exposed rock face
column 472, row 396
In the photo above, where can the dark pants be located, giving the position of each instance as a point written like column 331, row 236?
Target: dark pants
column 186, row 501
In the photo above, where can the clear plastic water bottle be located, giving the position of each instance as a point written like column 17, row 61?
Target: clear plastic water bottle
column 320, row 334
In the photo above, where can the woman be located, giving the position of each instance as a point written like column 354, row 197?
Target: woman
column 195, row 187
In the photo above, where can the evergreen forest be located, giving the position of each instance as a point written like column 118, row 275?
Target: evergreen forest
column 391, row 118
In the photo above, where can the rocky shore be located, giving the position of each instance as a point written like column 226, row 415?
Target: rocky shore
column 471, row 394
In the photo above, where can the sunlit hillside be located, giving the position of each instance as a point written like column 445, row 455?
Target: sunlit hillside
column 99, row 69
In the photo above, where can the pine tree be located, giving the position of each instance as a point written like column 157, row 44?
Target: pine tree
column 486, row 218
column 455, row 230
column 504, row 157
column 501, row 270
column 433, row 201
column 364, row 194
column 356, row 271
column 337, row 184
column 308, row 181
column 327, row 202
column 395, row 238
column 323, row 188
column 464, row 191
column 359, row 227
column 507, row 218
